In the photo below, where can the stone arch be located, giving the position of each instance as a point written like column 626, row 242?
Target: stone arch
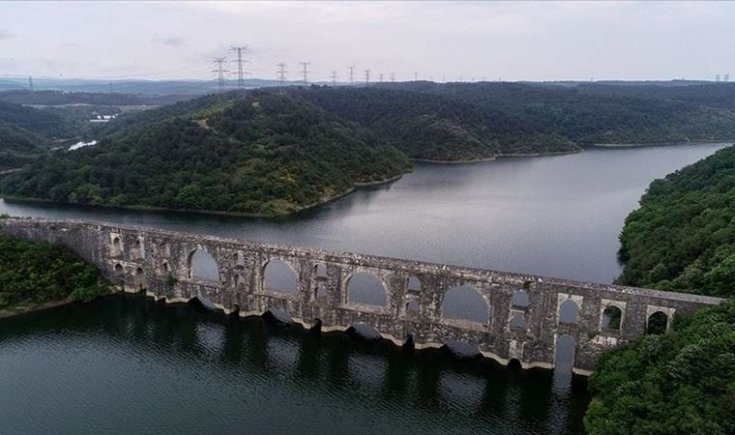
column 279, row 276
column 657, row 323
column 565, row 349
column 612, row 317
column 413, row 284
column 116, row 245
column 569, row 312
column 139, row 278
column 239, row 280
column 119, row 268
column 203, row 266
column 520, row 300
column 514, row 364
column 367, row 289
column 138, row 251
column 518, row 323
column 465, row 302
column 413, row 308
column 320, row 270
column 165, row 267
column 320, row 291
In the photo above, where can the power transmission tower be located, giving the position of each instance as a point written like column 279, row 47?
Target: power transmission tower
column 334, row 78
column 30, row 83
column 305, row 71
column 240, row 71
column 416, row 76
column 220, row 70
column 282, row 73
column 381, row 78
column 392, row 77
column 367, row 76
column 111, row 89
column 352, row 74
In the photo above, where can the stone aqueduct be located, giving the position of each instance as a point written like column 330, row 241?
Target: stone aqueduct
column 160, row 262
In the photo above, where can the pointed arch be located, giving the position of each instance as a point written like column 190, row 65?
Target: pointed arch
column 279, row 276
column 569, row 312
column 366, row 288
column 465, row 302
column 657, row 323
column 202, row 266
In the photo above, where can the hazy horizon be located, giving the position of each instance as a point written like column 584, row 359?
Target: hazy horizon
column 438, row 41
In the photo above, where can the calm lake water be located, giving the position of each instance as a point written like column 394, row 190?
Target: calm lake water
column 129, row 365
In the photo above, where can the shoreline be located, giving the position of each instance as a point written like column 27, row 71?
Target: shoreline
column 658, row 144
column 496, row 157
column 11, row 199
column 15, row 311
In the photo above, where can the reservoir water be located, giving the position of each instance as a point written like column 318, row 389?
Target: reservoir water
column 123, row 365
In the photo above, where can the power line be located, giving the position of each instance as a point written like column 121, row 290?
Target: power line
column 282, row 73
column 334, row 78
column 305, row 71
column 220, row 70
column 240, row 71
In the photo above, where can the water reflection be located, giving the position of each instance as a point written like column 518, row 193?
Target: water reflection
column 288, row 377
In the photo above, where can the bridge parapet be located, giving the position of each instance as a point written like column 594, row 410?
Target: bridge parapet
column 525, row 318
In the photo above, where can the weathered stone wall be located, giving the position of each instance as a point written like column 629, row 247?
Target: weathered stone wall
column 160, row 262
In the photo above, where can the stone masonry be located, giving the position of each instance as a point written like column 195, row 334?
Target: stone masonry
column 160, row 263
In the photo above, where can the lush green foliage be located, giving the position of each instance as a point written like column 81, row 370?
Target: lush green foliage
column 436, row 127
column 263, row 153
column 640, row 115
column 681, row 382
column 683, row 235
column 37, row 272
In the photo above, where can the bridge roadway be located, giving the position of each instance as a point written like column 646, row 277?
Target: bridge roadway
column 524, row 320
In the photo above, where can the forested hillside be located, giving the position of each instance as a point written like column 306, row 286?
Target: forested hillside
column 682, row 382
column 261, row 153
column 436, row 127
column 683, row 235
column 681, row 238
column 588, row 118
column 33, row 273
column 26, row 132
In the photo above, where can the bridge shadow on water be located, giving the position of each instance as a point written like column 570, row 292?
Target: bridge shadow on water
column 338, row 379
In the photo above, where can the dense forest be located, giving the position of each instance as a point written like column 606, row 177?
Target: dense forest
column 262, row 153
column 681, row 238
column 683, row 235
column 34, row 273
column 209, row 153
column 25, row 133
column 60, row 98
column 436, row 127
column 588, row 118
column 680, row 382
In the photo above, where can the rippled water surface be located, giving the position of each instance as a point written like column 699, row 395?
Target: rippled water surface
column 131, row 365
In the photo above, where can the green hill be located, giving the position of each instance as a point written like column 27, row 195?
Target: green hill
column 683, row 235
column 26, row 132
column 641, row 114
column 436, row 127
column 262, row 153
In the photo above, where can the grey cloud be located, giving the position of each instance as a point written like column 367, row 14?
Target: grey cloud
column 173, row 41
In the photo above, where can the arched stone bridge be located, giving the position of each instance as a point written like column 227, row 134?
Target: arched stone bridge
column 523, row 312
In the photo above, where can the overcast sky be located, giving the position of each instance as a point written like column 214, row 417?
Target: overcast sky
column 443, row 41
